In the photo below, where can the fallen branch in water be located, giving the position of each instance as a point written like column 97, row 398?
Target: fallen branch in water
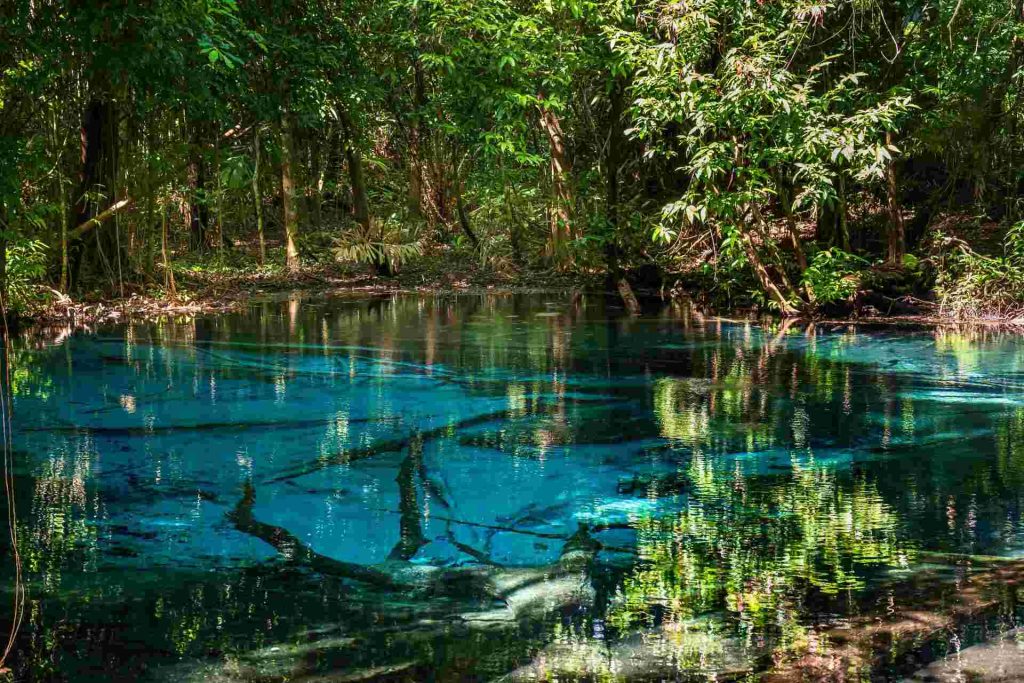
column 296, row 552
column 390, row 446
column 200, row 427
column 961, row 558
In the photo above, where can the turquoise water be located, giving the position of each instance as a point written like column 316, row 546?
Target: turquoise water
column 481, row 488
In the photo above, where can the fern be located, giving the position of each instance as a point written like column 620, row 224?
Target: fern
column 354, row 246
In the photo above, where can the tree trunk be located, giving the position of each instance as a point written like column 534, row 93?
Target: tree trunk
column 417, row 139
column 560, row 212
column 1017, row 152
column 288, row 199
column 765, row 278
column 763, row 275
column 360, row 199
column 257, row 197
column 844, row 217
column 336, row 169
column 460, row 206
column 97, row 180
column 611, row 245
column 169, row 284
column 514, row 238
column 199, row 209
column 219, row 198
column 64, row 264
column 360, row 202
column 895, row 229
column 315, row 187
column 764, row 232
column 4, row 231
column 786, row 200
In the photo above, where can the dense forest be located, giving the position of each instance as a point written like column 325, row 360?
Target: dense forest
column 787, row 154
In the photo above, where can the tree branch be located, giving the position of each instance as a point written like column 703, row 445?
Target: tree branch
column 98, row 219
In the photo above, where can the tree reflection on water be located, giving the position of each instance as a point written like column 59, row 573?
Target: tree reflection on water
column 543, row 489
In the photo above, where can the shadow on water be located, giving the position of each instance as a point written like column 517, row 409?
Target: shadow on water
column 475, row 488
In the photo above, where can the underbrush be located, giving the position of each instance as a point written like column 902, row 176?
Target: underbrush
column 973, row 286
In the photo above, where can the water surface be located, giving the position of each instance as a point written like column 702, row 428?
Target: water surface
column 491, row 487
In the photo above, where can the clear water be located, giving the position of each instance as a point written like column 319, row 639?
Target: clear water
column 488, row 487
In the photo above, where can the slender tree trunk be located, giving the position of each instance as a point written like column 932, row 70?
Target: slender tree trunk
column 611, row 249
column 893, row 14
column 4, row 231
column 514, row 238
column 169, row 284
column 336, row 169
column 765, row 278
column 199, row 209
column 257, row 197
column 1017, row 150
column 896, row 231
column 64, row 270
column 844, row 215
column 61, row 199
column 288, row 199
column 764, row 232
column 562, row 200
column 417, row 138
column 360, row 202
column 150, row 211
column 439, row 183
column 761, row 271
column 315, row 187
column 467, row 228
column 360, row 198
column 786, row 199
column 219, row 199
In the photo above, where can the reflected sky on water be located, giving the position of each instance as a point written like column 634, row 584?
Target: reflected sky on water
column 496, row 488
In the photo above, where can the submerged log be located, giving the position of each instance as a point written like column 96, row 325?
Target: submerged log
column 451, row 605
column 389, row 446
column 198, row 427
column 296, row 552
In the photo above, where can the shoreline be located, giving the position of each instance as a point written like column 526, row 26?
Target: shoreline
column 234, row 294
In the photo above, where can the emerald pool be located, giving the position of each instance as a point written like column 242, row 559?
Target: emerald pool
column 501, row 488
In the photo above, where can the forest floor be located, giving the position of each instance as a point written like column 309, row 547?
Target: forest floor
column 204, row 292
column 218, row 285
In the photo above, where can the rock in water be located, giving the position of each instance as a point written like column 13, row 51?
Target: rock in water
column 996, row 661
column 669, row 653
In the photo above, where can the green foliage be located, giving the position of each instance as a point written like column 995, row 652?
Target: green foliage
column 26, row 267
column 974, row 286
column 832, row 275
column 727, row 279
column 705, row 137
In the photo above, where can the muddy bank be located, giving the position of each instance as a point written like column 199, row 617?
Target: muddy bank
column 221, row 292
column 887, row 298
